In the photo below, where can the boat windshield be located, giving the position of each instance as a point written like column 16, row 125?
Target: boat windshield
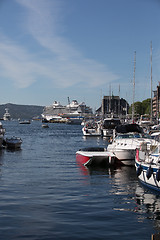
column 156, row 151
column 125, row 136
column 111, row 123
column 133, row 135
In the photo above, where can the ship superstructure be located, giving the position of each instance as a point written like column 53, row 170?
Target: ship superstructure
column 73, row 109
column 7, row 115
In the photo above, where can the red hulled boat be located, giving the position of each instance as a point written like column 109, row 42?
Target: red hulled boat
column 95, row 156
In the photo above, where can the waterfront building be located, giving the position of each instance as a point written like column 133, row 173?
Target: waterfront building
column 113, row 105
column 156, row 102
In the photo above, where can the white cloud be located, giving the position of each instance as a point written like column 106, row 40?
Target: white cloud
column 65, row 66
column 16, row 65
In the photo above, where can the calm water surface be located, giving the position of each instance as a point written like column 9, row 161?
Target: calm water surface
column 46, row 195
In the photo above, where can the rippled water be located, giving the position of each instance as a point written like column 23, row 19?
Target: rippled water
column 45, row 195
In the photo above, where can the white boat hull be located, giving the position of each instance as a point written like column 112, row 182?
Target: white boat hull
column 125, row 149
column 148, row 171
column 91, row 132
column 126, row 156
column 107, row 132
column 152, row 181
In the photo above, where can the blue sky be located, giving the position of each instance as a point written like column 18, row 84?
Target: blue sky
column 81, row 49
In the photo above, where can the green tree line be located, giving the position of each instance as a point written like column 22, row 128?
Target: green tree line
column 140, row 108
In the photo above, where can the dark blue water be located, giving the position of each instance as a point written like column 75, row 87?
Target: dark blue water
column 45, row 195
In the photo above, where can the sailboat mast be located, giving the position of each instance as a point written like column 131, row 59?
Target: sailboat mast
column 110, row 98
column 134, row 86
column 119, row 103
column 151, row 82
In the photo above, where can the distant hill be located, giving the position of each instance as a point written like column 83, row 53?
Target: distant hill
column 21, row 111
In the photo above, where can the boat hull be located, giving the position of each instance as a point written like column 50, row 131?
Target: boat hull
column 1, row 140
column 91, row 132
column 25, row 122
column 45, row 126
column 89, row 157
column 125, row 148
column 152, row 181
column 13, row 143
column 107, row 132
column 148, row 173
column 125, row 156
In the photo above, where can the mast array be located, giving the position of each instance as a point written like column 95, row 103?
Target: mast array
column 134, row 86
column 151, row 83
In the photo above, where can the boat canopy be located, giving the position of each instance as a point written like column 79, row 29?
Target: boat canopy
column 111, row 123
column 126, row 128
column 93, row 149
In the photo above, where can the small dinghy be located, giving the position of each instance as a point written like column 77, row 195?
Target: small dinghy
column 13, row 142
column 25, row 122
column 45, row 126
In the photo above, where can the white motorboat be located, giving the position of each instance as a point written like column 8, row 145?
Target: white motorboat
column 128, row 138
column 109, row 125
column 25, row 122
column 92, row 129
column 45, row 126
column 147, row 164
column 2, row 132
column 155, row 135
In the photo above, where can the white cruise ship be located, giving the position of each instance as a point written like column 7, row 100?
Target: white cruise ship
column 70, row 112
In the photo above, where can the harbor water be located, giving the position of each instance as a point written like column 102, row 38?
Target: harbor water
column 45, row 194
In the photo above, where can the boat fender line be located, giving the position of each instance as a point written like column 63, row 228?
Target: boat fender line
column 149, row 172
column 137, row 155
column 158, row 175
column 139, row 170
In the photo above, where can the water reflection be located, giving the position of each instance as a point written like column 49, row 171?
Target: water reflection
column 148, row 204
column 128, row 195
column 120, row 173
column 1, row 156
column 13, row 150
column 124, row 181
column 45, row 195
